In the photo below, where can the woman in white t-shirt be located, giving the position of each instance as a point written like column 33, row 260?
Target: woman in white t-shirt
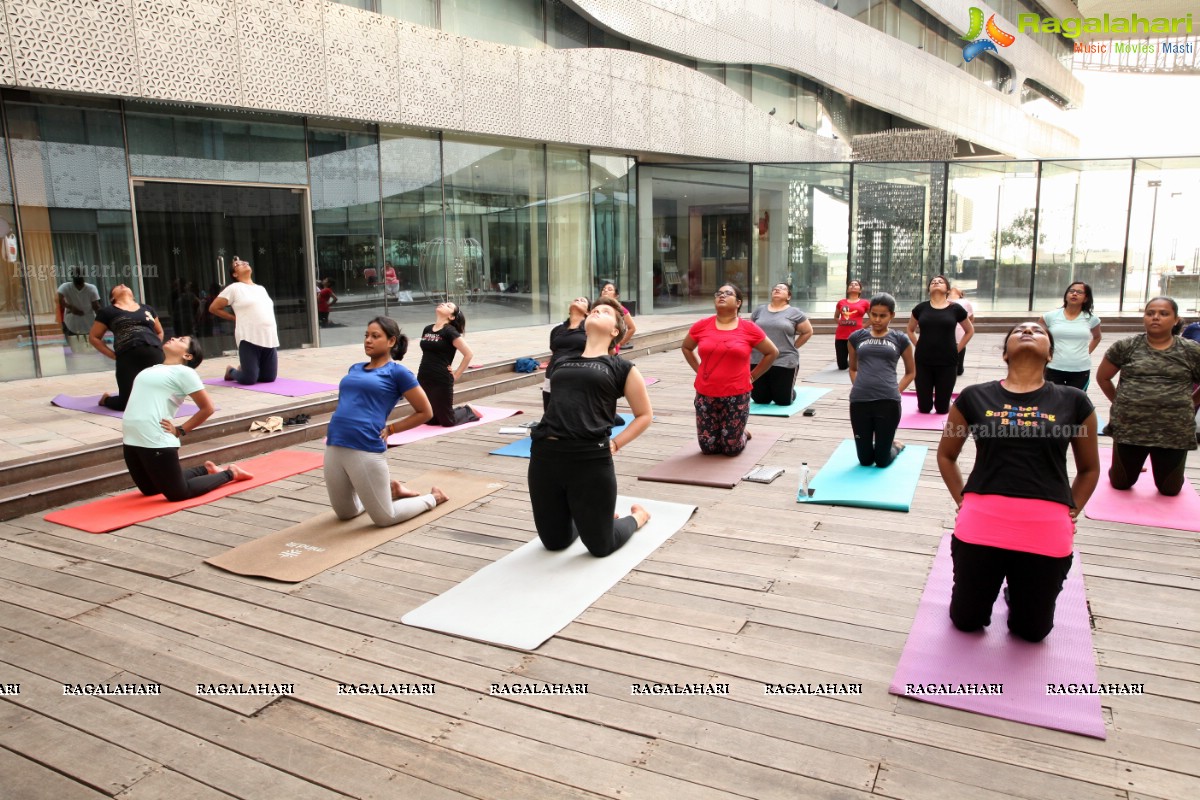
column 254, row 327
column 1076, row 332
column 150, row 436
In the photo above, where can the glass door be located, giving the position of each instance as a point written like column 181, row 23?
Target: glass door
column 189, row 235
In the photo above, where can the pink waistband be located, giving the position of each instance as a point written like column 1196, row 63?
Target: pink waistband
column 1016, row 523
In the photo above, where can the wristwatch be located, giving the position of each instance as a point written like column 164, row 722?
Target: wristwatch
column 180, row 432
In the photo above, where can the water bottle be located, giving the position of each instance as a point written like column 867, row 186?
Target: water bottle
column 804, row 476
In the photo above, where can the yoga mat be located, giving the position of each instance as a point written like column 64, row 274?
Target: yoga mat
column 91, row 405
column 486, row 415
column 301, row 551
column 937, row 653
column 286, row 387
column 692, row 467
column 805, row 397
column 532, row 593
column 520, row 448
column 111, row 513
column 845, row 482
column 1143, row 505
column 911, row 419
column 830, row 375
column 650, row 381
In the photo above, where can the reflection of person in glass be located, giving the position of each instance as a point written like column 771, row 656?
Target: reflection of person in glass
column 137, row 341
column 79, row 301
column 254, row 327
column 151, row 437
column 1017, row 509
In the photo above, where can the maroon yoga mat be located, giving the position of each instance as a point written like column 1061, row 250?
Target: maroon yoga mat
column 692, row 467
column 1041, row 682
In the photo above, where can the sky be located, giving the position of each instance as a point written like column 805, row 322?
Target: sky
column 1127, row 115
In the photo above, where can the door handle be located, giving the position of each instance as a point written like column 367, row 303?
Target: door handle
column 221, row 271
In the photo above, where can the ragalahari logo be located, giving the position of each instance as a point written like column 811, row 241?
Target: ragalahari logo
column 994, row 36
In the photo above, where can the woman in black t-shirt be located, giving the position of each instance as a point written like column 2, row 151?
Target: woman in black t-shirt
column 567, row 339
column 1017, row 509
column 137, row 341
column 572, row 483
column 440, row 342
column 936, row 351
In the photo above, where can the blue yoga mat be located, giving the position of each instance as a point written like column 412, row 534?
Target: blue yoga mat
column 805, row 397
column 520, row 448
column 844, row 482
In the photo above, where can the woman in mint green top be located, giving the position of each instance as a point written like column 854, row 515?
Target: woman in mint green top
column 149, row 433
column 1076, row 332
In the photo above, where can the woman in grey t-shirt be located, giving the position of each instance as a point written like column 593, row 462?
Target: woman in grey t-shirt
column 788, row 327
column 875, row 397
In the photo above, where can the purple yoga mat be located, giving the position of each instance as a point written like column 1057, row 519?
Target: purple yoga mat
column 1143, row 505
column 486, row 415
column 937, row 654
column 912, row 419
column 287, row 387
column 91, row 405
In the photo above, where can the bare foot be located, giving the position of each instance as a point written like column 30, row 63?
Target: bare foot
column 211, row 467
column 103, row 397
column 400, row 490
column 229, row 373
column 439, row 496
column 640, row 514
column 239, row 474
column 749, row 436
column 899, row 447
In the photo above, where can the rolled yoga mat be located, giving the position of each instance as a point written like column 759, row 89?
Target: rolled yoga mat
column 91, row 405
column 911, row 419
column 845, row 482
column 301, row 551
column 1143, row 505
column 521, row 447
column 690, row 466
column 486, row 415
column 1036, row 679
column 111, row 513
column 805, row 397
column 829, row 375
column 532, row 593
column 286, row 387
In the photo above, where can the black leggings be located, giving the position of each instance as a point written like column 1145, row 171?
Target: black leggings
column 573, row 491
column 441, row 398
column 1034, row 582
column 1079, row 380
column 934, row 384
column 841, row 349
column 874, row 423
column 777, row 385
column 157, row 471
column 129, row 363
column 1167, row 465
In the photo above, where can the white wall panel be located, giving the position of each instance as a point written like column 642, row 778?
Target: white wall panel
column 188, row 52
column 363, row 64
column 282, row 54
column 73, row 45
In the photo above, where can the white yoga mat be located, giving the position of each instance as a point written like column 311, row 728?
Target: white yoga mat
column 532, row 593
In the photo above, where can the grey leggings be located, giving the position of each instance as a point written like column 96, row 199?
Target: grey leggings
column 357, row 480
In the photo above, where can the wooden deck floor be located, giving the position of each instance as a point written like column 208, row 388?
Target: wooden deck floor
column 755, row 589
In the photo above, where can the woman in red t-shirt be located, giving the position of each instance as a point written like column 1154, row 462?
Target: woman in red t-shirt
column 723, row 374
column 326, row 299
column 849, row 314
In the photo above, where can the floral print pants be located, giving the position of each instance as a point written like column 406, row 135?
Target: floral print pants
column 721, row 423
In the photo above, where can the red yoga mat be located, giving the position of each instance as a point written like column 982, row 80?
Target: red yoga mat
column 112, row 513
column 1143, row 505
column 1046, row 684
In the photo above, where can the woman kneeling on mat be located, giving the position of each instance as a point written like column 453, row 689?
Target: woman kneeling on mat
column 440, row 342
column 254, row 327
column 572, row 483
column 788, row 329
column 1153, row 404
column 151, row 437
column 875, row 397
column 1016, row 513
column 356, row 470
column 723, row 375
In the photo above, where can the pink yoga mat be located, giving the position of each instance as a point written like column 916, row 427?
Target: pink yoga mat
column 912, row 419
column 286, row 387
column 487, row 414
column 650, row 381
column 936, row 654
column 91, row 405
column 1143, row 505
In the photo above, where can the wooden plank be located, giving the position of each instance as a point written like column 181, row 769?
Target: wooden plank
column 28, row 780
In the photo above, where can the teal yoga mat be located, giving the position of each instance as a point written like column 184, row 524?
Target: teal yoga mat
column 844, row 482
column 520, row 448
column 805, row 397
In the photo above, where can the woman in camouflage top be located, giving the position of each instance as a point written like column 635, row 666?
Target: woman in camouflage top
column 1154, row 403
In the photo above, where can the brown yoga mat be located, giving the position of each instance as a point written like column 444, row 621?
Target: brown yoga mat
column 301, row 551
column 692, row 467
